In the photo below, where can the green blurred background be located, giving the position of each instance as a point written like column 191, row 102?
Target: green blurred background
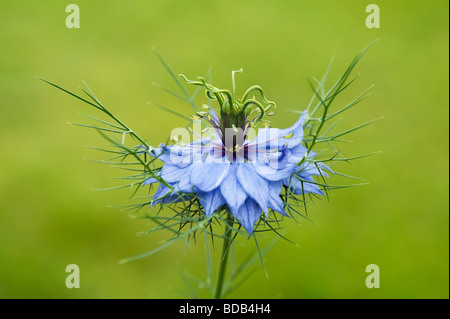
column 50, row 218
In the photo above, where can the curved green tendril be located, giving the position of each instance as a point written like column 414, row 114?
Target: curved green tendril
column 261, row 91
column 228, row 101
column 258, row 104
column 212, row 89
column 209, row 95
column 209, row 88
column 233, row 73
column 217, row 90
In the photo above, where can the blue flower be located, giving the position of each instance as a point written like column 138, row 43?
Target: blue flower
column 246, row 176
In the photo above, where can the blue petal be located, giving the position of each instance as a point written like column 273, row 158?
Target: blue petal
column 248, row 214
column 297, row 153
column 254, row 185
column 275, row 201
column 171, row 173
column 273, row 138
column 164, row 195
column 175, row 198
column 208, row 176
column 309, row 169
column 185, row 185
column 296, row 130
column 267, row 138
column 273, row 174
column 304, row 187
column 151, row 180
column 323, row 167
column 160, row 193
column 211, row 201
column 277, row 159
column 180, row 156
column 312, row 188
column 232, row 191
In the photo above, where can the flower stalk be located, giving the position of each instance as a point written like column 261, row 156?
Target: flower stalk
column 227, row 241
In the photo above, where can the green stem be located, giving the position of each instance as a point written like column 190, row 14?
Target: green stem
column 224, row 256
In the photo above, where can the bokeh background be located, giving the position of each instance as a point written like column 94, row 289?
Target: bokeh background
column 50, row 217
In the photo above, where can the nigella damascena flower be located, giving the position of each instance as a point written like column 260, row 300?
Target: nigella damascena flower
column 247, row 175
column 231, row 173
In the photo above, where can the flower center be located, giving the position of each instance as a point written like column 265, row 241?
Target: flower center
column 236, row 115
